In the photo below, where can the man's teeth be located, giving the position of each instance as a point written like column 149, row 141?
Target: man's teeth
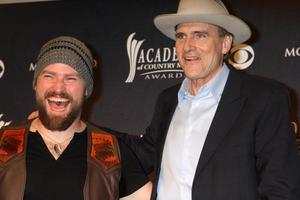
column 58, row 100
column 190, row 58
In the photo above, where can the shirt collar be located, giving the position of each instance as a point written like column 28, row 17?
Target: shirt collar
column 214, row 87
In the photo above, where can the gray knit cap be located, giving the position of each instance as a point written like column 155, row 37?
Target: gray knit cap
column 69, row 51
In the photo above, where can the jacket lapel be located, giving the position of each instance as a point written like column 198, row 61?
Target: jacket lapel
column 227, row 112
column 169, row 107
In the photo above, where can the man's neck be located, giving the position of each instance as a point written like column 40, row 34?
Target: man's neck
column 196, row 84
column 76, row 127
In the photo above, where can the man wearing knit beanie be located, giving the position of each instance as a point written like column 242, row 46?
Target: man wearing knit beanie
column 57, row 156
column 70, row 51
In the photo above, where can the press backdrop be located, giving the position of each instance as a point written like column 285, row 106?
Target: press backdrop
column 136, row 62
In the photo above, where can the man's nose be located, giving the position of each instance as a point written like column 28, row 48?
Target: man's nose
column 188, row 44
column 59, row 85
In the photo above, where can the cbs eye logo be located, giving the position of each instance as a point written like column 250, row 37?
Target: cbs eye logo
column 1, row 68
column 241, row 56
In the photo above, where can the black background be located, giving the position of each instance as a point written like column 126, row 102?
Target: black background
column 105, row 26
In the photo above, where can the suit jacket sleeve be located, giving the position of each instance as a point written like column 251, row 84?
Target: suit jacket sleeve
column 145, row 146
column 277, row 158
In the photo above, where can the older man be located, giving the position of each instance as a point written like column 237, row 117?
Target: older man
column 57, row 156
column 221, row 134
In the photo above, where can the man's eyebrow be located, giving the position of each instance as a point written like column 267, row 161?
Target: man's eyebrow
column 66, row 74
column 179, row 33
column 47, row 72
column 201, row 32
column 72, row 74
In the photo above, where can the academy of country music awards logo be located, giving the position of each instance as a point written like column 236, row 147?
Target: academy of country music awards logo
column 2, row 69
column 162, row 63
column 292, row 52
column 4, row 123
column 151, row 64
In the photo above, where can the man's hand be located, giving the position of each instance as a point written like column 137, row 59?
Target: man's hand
column 33, row 115
column 144, row 193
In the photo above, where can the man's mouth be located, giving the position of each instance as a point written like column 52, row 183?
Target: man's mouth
column 191, row 58
column 58, row 104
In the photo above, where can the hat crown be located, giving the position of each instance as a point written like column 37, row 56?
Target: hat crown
column 203, row 11
column 202, row 7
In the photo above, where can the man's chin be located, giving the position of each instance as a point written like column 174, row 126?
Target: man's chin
column 58, row 116
column 57, row 124
column 58, row 113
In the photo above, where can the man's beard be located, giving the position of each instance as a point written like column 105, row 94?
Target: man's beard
column 58, row 123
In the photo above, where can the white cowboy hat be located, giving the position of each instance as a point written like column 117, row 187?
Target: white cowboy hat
column 203, row 11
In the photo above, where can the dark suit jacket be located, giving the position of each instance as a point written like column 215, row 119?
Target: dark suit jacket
column 250, row 151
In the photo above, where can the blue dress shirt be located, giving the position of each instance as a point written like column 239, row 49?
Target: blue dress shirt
column 186, row 137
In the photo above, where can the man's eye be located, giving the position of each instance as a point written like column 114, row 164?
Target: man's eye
column 47, row 76
column 179, row 36
column 71, row 78
column 200, row 35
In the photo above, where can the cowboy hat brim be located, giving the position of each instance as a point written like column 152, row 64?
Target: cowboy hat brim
column 166, row 23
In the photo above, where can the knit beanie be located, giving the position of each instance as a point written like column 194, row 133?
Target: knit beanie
column 69, row 51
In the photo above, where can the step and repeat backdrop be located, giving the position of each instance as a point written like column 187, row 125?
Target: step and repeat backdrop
column 135, row 61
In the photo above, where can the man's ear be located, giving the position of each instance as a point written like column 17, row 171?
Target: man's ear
column 34, row 86
column 227, row 43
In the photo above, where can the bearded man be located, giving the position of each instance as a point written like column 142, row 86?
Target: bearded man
column 57, row 156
